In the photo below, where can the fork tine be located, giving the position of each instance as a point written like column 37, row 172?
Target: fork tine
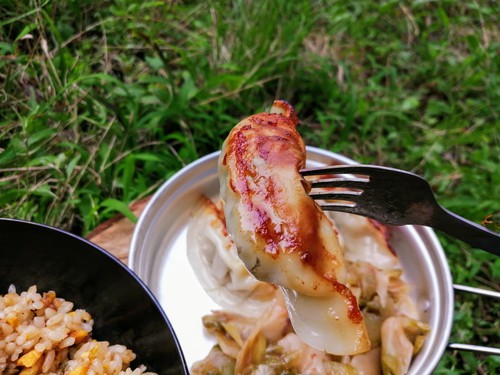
column 356, row 169
column 336, row 169
column 339, row 207
column 352, row 183
column 339, row 195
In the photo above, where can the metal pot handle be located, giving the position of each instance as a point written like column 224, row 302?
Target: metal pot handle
column 469, row 347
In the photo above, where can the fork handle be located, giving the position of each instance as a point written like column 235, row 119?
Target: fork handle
column 466, row 231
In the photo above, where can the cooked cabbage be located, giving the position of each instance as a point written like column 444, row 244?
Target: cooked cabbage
column 402, row 337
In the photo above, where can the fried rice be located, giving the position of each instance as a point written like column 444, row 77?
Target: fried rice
column 45, row 334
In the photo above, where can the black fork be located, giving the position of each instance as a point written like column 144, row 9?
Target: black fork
column 394, row 197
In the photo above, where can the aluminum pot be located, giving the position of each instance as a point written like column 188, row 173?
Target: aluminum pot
column 158, row 256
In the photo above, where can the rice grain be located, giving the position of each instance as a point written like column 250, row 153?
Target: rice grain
column 43, row 334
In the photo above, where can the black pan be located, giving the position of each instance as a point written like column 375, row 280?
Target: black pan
column 124, row 310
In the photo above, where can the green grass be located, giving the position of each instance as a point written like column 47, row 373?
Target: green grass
column 100, row 102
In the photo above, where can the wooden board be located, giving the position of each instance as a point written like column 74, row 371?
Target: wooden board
column 115, row 234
